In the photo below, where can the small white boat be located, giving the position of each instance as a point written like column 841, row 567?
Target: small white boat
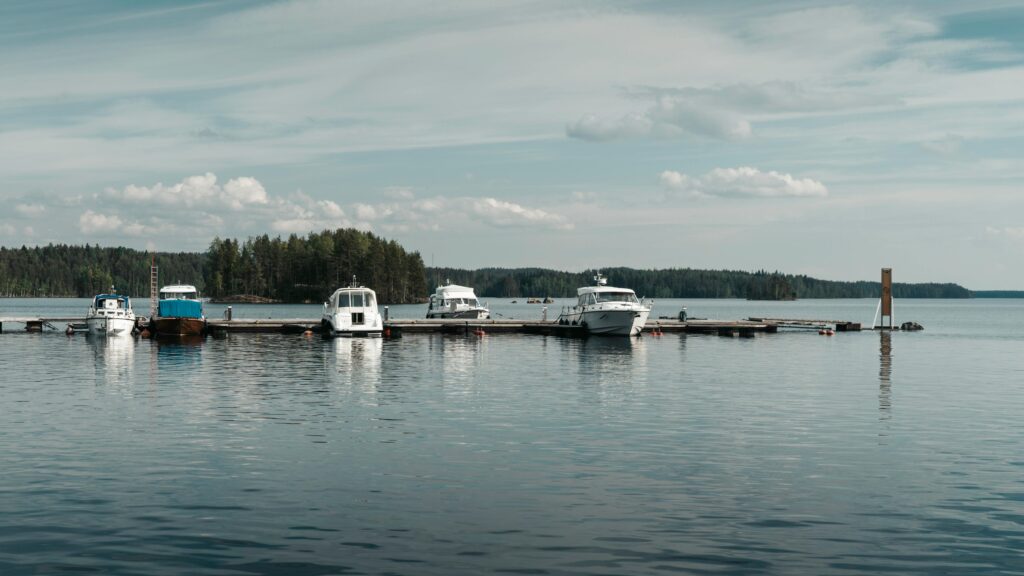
column 454, row 301
column 352, row 311
column 603, row 309
column 110, row 315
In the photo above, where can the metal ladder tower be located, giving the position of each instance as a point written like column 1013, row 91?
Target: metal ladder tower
column 154, row 288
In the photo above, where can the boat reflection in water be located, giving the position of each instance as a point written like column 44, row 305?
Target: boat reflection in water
column 608, row 365
column 176, row 352
column 115, row 357
column 354, row 361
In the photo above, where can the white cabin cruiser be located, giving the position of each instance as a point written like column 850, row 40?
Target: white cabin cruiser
column 352, row 311
column 602, row 309
column 454, row 301
column 110, row 315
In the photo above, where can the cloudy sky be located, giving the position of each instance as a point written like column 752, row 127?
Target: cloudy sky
column 829, row 140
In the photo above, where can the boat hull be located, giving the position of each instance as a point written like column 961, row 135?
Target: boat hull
column 615, row 322
column 174, row 326
column 107, row 326
column 334, row 326
column 620, row 322
column 472, row 314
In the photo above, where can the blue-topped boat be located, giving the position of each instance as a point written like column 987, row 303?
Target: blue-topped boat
column 110, row 315
column 179, row 312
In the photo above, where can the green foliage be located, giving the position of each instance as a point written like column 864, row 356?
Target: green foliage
column 308, row 269
column 998, row 294
column 84, row 271
column 679, row 283
column 291, row 270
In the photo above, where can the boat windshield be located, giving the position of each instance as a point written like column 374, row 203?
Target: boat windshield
column 629, row 297
column 356, row 299
column 461, row 301
column 178, row 296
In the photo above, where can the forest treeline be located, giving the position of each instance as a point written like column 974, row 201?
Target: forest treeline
column 84, row 271
column 293, row 269
column 681, row 283
column 308, row 268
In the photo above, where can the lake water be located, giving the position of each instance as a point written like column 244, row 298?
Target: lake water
column 790, row 453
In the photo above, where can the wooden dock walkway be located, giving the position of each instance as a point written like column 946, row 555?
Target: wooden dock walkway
column 36, row 323
column 502, row 326
column 423, row 326
column 840, row 325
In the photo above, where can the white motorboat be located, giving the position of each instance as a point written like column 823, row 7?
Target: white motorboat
column 454, row 301
column 603, row 309
column 110, row 315
column 352, row 311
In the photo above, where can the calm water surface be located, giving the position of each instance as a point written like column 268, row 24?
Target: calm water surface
column 263, row 454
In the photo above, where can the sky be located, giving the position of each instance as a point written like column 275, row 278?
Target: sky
column 811, row 138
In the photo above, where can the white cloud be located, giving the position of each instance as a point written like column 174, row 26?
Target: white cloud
column 200, row 190
column 594, row 128
column 947, row 145
column 432, row 214
column 7, row 230
column 301, row 213
column 399, row 192
column 1009, row 232
column 743, row 182
column 773, row 97
column 112, row 224
column 90, row 223
column 668, row 118
column 244, row 191
column 30, row 210
column 502, row 213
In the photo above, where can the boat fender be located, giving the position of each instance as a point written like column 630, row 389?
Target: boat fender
column 70, row 330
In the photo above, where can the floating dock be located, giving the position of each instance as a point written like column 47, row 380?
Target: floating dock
column 504, row 326
column 418, row 326
column 840, row 325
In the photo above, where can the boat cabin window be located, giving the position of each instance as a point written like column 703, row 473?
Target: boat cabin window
column 628, row 297
column 355, row 300
column 178, row 296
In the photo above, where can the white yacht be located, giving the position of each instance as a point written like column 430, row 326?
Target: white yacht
column 352, row 311
column 110, row 315
column 602, row 309
column 454, row 301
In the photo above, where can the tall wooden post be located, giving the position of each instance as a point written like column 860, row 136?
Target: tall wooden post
column 886, row 302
